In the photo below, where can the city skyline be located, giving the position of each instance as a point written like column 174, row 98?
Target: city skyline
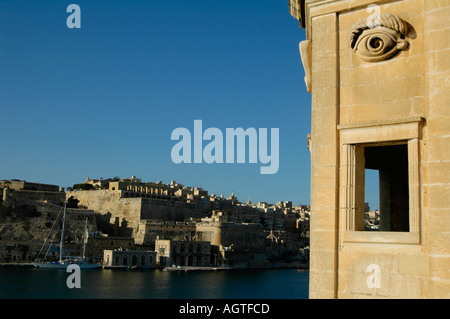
column 102, row 100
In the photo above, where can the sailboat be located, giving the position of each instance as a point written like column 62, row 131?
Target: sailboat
column 64, row 263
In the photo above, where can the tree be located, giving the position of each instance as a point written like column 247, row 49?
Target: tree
column 72, row 202
column 83, row 186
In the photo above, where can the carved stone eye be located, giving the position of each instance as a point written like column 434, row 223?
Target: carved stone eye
column 378, row 42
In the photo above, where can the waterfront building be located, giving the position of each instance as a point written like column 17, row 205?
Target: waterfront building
column 233, row 243
column 126, row 214
column 183, row 252
column 378, row 76
column 97, row 243
column 132, row 201
column 125, row 258
column 150, row 229
column 12, row 252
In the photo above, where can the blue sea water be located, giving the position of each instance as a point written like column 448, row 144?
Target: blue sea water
column 31, row 283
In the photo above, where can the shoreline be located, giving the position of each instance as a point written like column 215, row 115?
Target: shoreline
column 298, row 266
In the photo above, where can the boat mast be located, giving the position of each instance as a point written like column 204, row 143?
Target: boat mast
column 61, row 244
column 85, row 239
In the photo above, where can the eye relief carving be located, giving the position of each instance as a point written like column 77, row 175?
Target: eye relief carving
column 379, row 38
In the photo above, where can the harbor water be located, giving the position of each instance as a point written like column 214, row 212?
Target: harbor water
column 32, row 283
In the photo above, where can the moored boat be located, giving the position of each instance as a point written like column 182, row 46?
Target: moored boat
column 64, row 263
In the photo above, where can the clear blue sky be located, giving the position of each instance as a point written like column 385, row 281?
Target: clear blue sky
column 103, row 100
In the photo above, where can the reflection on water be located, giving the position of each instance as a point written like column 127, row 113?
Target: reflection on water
column 155, row 284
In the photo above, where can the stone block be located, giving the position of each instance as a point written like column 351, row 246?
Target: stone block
column 436, row 173
column 439, row 60
column 434, row 39
column 438, row 148
column 322, row 137
column 438, row 247
column 325, row 176
column 435, row 4
column 437, row 220
column 404, row 88
column 439, row 96
column 405, row 68
column 323, row 197
column 437, row 18
column 379, row 112
column 437, row 195
column 439, row 289
column 326, row 97
column 362, row 94
column 367, row 74
column 413, row 264
column 439, row 265
column 324, row 218
column 323, row 239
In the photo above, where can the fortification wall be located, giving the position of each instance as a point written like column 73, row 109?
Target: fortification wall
column 28, row 195
column 133, row 209
column 169, row 210
column 129, row 209
column 101, row 201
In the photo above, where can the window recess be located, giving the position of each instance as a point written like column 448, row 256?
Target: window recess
column 392, row 149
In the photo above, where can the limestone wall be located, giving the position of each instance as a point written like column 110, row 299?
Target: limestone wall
column 101, row 201
column 169, row 210
column 359, row 101
column 133, row 209
column 29, row 195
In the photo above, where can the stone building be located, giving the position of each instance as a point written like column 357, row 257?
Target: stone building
column 13, row 252
column 149, row 211
column 16, row 184
column 378, row 73
column 137, row 206
column 233, row 244
column 134, row 187
column 97, row 183
column 149, row 230
column 20, row 190
column 97, row 243
column 183, row 252
column 124, row 258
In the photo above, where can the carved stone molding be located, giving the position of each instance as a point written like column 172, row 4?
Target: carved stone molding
column 305, row 54
column 378, row 38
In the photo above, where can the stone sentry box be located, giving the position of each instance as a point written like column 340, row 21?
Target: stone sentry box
column 378, row 72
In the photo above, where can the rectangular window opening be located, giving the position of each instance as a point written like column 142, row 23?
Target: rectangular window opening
column 388, row 163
